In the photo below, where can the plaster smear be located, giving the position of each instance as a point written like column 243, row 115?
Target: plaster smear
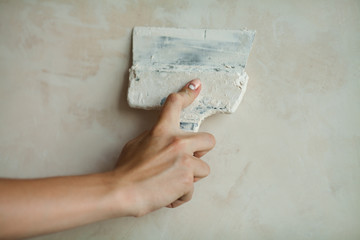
column 165, row 59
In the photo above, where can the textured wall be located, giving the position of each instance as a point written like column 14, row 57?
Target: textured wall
column 286, row 164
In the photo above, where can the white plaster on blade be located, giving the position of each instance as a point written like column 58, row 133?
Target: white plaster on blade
column 165, row 59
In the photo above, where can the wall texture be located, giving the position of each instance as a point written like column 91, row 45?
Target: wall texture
column 286, row 164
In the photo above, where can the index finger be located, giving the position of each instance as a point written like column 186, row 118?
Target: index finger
column 175, row 102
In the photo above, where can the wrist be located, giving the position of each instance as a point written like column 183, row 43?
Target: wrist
column 120, row 196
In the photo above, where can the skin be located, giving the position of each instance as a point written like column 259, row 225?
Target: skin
column 157, row 169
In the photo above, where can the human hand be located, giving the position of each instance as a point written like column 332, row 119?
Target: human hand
column 159, row 167
column 154, row 170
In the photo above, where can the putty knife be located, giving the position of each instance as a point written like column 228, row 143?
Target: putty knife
column 165, row 59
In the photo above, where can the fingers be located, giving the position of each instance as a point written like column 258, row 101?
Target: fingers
column 191, row 144
column 200, row 168
column 175, row 102
column 200, row 143
column 188, row 146
column 187, row 197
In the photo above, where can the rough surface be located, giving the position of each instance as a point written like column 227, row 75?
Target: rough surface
column 286, row 164
column 164, row 59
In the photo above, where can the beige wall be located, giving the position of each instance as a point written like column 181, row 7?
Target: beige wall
column 286, row 164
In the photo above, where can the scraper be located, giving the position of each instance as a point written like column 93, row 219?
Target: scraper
column 165, row 59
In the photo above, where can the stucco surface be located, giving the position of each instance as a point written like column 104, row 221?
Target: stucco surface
column 287, row 162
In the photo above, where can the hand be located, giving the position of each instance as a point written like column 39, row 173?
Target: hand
column 159, row 167
column 156, row 169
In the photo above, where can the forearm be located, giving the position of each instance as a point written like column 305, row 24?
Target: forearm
column 47, row 205
column 154, row 170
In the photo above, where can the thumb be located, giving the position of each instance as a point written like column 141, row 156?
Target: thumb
column 175, row 102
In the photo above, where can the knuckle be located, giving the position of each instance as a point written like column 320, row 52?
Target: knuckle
column 186, row 161
column 188, row 179
column 174, row 97
column 177, row 144
column 185, row 171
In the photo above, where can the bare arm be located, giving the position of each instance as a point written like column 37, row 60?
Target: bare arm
column 155, row 170
column 39, row 206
